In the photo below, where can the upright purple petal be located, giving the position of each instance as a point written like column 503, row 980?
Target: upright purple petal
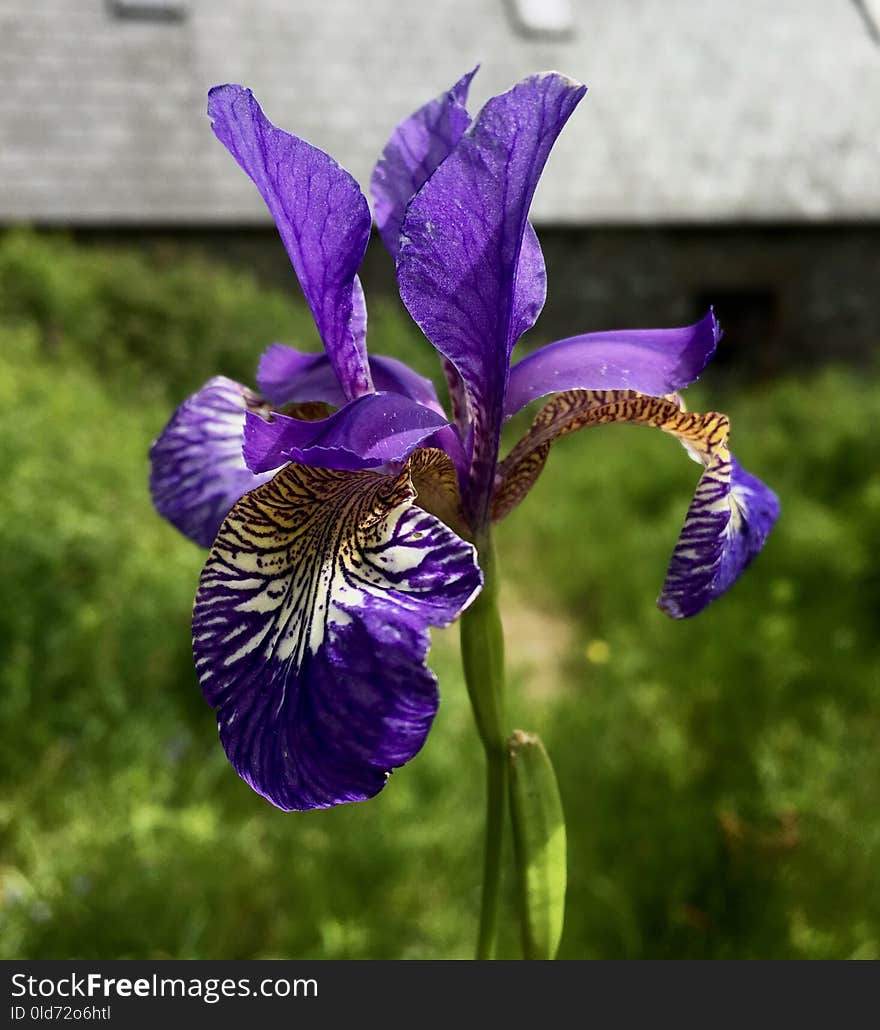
column 367, row 433
column 310, row 631
column 417, row 146
column 197, row 471
column 288, row 376
column 460, row 249
column 322, row 217
column 530, row 289
column 650, row 361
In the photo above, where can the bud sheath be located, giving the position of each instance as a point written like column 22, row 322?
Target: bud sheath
column 539, row 845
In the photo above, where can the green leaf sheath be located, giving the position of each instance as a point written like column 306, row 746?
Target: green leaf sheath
column 539, row 845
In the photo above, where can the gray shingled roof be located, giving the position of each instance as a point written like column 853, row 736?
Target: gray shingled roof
column 760, row 109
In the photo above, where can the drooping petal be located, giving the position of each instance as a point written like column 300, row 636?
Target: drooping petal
column 310, row 631
column 417, row 146
column 461, row 243
column 726, row 526
column 288, row 376
column 652, row 361
column 731, row 513
column 322, row 217
column 197, row 471
column 367, row 433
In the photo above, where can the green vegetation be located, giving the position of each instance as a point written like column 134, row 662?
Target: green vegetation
column 721, row 777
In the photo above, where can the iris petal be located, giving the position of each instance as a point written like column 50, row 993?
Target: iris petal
column 288, row 376
column 322, row 218
column 726, row 526
column 417, row 146
column 197, row 471
column 731, row 513
column 461, row 243
column 652, row 361
column 530, row 289
column 310, row 631
column 371, row 431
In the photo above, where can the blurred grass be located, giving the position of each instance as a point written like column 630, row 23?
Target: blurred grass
column 721, row 777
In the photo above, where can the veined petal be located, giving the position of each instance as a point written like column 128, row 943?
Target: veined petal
column 415, row 150
column 460, row 249
column 530, row 288
column 310, row 631
column 288, row 376
column 417, row 146
column 322, row 217
column 368, row 432
column 197, row 471
column 652, row 361
column 726, row 526
column 435, row 480
column 731, row 513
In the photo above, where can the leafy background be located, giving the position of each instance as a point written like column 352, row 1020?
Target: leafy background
column 721, row 777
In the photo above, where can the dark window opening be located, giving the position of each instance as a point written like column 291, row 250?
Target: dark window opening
column 148, row 10
column 751, row 347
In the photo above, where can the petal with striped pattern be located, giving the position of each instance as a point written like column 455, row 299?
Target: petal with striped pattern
column 725, row 528
column 197, row 470
column 310, row 631
column 731, row 513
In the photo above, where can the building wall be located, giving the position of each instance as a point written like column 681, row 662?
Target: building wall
column 698, row 110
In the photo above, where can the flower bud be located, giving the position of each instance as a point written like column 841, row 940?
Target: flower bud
column 539, row 845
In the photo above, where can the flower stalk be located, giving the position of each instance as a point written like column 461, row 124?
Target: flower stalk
column 482, row 651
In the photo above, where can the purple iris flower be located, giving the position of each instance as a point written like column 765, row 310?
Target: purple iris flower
column 344, row 526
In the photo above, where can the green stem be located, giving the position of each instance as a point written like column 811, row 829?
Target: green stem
column 496, row 796
column 482, row 649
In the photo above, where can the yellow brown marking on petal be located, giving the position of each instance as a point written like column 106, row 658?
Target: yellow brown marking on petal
column 310, row 630
column 704, row 434
column 307, row 411
column 436, row 483
column 291, row 547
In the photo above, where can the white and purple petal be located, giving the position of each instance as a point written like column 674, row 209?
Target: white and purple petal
column 197, row 471
column 310, row 631
column 726, row 526
column 650, row 361
column 322, row 217
column 460, row 249
column 369, row 432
